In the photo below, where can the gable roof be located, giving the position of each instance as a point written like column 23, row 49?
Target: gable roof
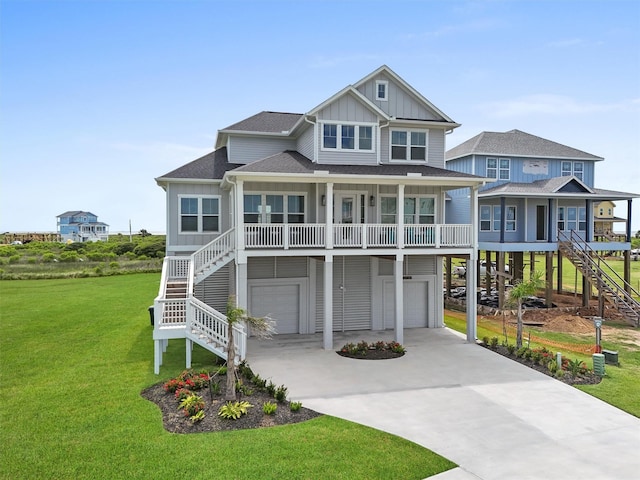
column 555, row 187
column 266, row 122
column 396, row 78
column 211, row 166
column 73, row 213
column 359, row 96
column 516, row 143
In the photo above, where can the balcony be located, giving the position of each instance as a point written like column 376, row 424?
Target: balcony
column 365, row 236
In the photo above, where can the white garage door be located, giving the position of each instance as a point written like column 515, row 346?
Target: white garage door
column 415, row 303
column 280, row 302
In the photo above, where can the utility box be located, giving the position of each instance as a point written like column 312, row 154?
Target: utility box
column 598, row 364
column 151, row 319
column 610, row 357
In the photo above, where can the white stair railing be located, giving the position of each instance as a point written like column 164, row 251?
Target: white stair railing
column 208, row 324
column 213, row 252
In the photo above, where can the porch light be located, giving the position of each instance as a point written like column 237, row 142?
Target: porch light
column 323, row 200
column 372, row 201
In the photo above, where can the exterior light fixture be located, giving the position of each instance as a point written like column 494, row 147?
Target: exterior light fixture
column 372, row 201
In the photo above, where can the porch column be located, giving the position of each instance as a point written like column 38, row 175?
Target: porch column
column 589, row 214
column 559, row 276
column 328, row 220
column 328, row 303
column 400, row 216
column 242, row 298
column 500, row 279
column 550, row 221
column 487, row 273
column 503, row 220
column 398, row 272
column 627, row 253
column 472, row 297
column 239, row 211
column 448, row 274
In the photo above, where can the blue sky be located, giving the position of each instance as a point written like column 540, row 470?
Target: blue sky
column 97, row 98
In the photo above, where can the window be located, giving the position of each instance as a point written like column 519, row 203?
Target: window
column 419, row 210
column 610, row 212
column 490, row 216
column 388, row 210
column 498, row 168
column 572, row 168
column 561, row 219
column 602, row 212
column 199, row 214
column 330, row 138
column 408, row 145
column 381, row 90
column 485, row 218
column 259, row 208
column 582, row 219
column 347, row 137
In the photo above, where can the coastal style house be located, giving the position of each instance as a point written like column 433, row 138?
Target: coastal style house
column 542, row 198
column 327, row 221
column 79, row 226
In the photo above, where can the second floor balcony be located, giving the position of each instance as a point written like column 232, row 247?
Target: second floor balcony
column 364, row 236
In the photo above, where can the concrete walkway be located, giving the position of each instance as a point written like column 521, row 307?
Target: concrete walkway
column 492, row 416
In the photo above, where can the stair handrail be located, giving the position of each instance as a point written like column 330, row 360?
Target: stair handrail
column 213, row 251
column 586, row 253
column 217, row 329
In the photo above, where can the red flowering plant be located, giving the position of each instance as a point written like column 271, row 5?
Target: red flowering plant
column 187, row 379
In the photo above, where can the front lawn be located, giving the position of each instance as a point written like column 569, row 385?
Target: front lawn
column 75, row 355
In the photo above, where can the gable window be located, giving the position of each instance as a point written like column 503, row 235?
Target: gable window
column 263, row 208
column 382, row 88
column 408, row 145
column 199, row 214
column 490, row 216
column 498, row 168
column 572, row 168
column 347, row 137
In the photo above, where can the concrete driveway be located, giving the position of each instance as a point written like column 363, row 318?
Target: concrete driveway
column 492, row 416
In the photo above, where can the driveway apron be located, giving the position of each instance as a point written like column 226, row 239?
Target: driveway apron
column 495, row 418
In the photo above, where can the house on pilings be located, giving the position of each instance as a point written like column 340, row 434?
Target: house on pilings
column 543, row 198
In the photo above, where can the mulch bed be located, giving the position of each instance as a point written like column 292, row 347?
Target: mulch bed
column 588, row 378
column 175, row 421
column 372, row 355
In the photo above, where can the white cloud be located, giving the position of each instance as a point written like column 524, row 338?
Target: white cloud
column 550, row 104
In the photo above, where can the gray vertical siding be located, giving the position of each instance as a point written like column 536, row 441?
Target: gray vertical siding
column 347, row 109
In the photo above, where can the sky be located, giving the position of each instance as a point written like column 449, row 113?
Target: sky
column 98, row 98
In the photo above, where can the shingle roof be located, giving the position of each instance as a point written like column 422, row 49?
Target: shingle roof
column 294, row 162
column 73, row 213
column 267, row 122
column 552, row 187
column 211, row 166
column 516, row 143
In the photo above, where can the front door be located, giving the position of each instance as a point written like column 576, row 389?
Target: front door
column 347, row 215
column 347, row 209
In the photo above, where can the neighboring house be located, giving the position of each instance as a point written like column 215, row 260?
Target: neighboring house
column 79, row 226
column 542, row 199
column 605, row 220
column 328, row 221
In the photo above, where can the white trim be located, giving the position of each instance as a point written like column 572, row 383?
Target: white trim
column 386, row 90
column 408, row 145
column 356, row 138
column 199, row 214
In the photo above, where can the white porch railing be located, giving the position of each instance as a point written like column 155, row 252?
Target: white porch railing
column 213, row 326
column 286, row 236
column 214, row 251
column 171, row 312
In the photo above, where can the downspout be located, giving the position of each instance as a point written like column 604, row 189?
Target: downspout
column 379, row 140
column 315, row 139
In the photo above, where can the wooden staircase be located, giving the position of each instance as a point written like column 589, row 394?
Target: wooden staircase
column 179, row 314
column 609, row 284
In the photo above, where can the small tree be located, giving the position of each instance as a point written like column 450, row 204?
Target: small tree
column 521, row 290
column 262, row 327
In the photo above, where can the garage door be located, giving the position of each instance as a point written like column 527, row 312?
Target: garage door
column 415, row 303
column 280, row 302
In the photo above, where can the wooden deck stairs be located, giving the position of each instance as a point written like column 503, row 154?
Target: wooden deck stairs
column 609, row 284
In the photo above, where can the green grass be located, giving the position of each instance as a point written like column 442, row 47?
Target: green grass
column 621, row 385
column 75, row 355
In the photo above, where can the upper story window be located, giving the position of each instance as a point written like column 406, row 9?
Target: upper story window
column 491, row 216
column 199, row 214
column 267, row 208
column 573, row 168
column 382, row 90
column 347, row 137
column 408, row 145
column 499, row 168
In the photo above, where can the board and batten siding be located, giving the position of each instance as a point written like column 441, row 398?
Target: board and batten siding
column 400, row 103
column 249, row 149
column 192, row 240
column 277, row 267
